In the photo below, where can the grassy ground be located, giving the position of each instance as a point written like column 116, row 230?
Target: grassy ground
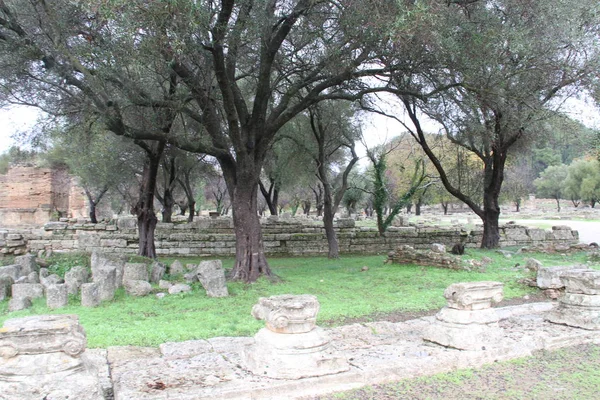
column 570, row 373
column 344, row 291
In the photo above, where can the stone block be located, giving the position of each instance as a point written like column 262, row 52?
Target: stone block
column 438, row 248
column 533, row 265
column 100, row 260
column 55, row 226
column 27, row 263
column 549, row 277
column 51, row 280
column 164, row 284
column 113, row 243
column 76, row 277
column 179, row 288
column 294, row 356
column 212, row 277
column 127, row 223
column 88, row 239
column 106, row 279
column 474, row 295
column 157, row 270
column 57, row 296
column 137, row 287
column 135, row 272
column 89, row 295
column 14, row 271
column 31, row 290
column 288, row 313
column 19, row 303
column 581, row 281
column 6, row 283
column 176, row 268
column 463, row 336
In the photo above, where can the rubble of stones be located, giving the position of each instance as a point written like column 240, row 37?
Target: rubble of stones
column 436, row 256
column 26, row 280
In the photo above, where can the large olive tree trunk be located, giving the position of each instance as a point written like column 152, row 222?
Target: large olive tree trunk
column 242, row 183
column 144, row 209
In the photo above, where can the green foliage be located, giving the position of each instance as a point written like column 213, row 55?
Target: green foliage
column 59, row 263
column 16, row 155
column 583, row 180
column 339, row 284
column 550, row 184
column 381, row 193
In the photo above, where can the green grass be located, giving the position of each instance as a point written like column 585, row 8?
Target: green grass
column 342, row 289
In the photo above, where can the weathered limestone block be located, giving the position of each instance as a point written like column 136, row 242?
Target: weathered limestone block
column 474, row 295
column 212, row 277
column 14, row 271
column 33, row 277
column 584, row 281
column 5, row 286
column 288, row 313
column 137, row 287
column 101, row 260
column 191, row 277
column 27, row 263
column 127, row 223
column 50, row 280
column 106, row 279
column 164, row 284
column 19, row 303
column 157, row 270
column 31, row 290
column 76, row 277
column 468, row 322
column 135, row 272
column 291, row 346
column 550, row 277
column 345, row 223
column 89, row 295
column 57, row 296
column 176, row 268
column 580, row 305
column 179, row 288
column 438, row 248
column 42, row 357
column 533, row 265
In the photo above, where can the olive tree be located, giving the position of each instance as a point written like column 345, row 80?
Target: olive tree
column 499, row 67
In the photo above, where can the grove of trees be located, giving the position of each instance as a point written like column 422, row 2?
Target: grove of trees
column 224, row 90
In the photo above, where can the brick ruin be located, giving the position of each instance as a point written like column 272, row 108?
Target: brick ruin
column 32, row 196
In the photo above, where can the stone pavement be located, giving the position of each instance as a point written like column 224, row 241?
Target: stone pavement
column 377, row 352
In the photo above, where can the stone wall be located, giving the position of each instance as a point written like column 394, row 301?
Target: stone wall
column 30, row 196
column 284, row 237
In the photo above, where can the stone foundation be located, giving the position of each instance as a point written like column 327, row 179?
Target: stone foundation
column 293, row 237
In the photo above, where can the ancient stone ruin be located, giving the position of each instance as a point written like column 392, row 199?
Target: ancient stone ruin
column 291, row 346
column 41, row 357
column 435, row 257
column 45, row 356
column 206, row 236
column 468, row 322
column 32, row 196
column 580, row 304
column 25, row 281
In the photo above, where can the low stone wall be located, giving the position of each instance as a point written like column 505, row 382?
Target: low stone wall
column 281, row 237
